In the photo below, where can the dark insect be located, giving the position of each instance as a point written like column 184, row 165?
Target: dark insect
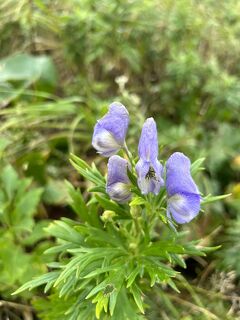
column 151, row 174
column 108, row 290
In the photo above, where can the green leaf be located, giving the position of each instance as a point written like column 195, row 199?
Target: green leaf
column 70, row 270
column 45, row 278
column 85, row 261
column 22, row 189
column 173, row 285
column 132, row 276
column 125, row 308
column 37, row 233
column 132, row 177
column 112, row 206
column 25, row 209
column 113, row 282
column 158, row 271
column 99, row 287
column 62, row 230
column 24, row 67
column 4, row 143
column 137, row 295
column 19, row 71
column 10, row 180
column 61, row 248
column 67, row 286
column 209, row 198
column 196, row 166
column 77, row 203
column 100, row 236
column 102, row 304
column 137, row 201
column 179, row 260
column 101, row 270
column 162, row 248
column 113, row 301
column 208, row 249
column 55, row 192
column 100, row 189
column 90, row 173
column 192, row 248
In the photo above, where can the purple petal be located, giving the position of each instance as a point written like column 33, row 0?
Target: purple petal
column 149, row 176
column 183, row 195
column 119, row 192
column 142, row 168
column 158, row 168
column 110, row 131
column 148, row 143
column 178, row 176
column 118, row 183
column 184, row 207
column 149, row 169
column 104, row 142
column 117, row 170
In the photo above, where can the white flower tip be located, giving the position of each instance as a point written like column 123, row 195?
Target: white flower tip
column 105, row 143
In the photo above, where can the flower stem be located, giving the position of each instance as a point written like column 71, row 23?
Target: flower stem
column 128, row 153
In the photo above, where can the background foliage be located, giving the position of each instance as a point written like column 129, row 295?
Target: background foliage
column 61, row 64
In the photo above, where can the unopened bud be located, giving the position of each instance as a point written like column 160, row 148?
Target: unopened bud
column 108, row 215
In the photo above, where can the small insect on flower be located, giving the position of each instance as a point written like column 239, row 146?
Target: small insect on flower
column 183, row 195
column 151, row 174
column 118, row 183
column 149, row 169
column 110, row 131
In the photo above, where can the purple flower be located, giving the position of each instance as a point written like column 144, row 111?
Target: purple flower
column 183, row 195
column 149, row 169
column 110, row 131
column 118, row 183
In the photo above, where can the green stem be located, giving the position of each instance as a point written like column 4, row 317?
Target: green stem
column 128, row 153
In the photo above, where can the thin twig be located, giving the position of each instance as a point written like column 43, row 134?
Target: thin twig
column 194, row 307
column 213, row 294
column 15, row 305
column 206, row 273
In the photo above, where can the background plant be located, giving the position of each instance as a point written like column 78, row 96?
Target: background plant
column 115, row 262
column 175, row 60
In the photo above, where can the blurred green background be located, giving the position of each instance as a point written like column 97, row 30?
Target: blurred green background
column 61, row 64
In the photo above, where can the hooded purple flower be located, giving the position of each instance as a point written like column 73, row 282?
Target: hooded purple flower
column 110, row 131
column 149, row 169
column 118, row 183
column 183, row 195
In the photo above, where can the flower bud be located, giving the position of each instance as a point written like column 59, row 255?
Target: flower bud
column 110, row 131
column 118, row 183
column 108, row 215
